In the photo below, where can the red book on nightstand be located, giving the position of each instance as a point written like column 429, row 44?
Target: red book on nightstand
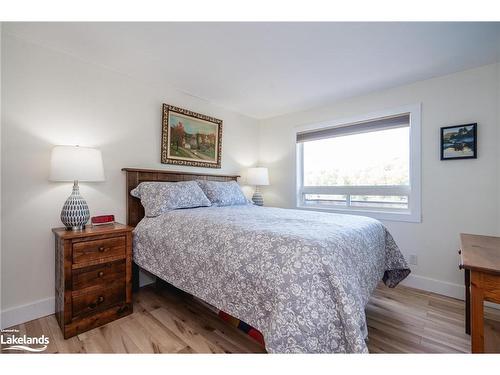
column 103, row 219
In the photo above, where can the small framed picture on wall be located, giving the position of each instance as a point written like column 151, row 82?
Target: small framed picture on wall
column 459, row 142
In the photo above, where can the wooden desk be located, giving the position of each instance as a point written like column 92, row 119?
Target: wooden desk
column 480, row 258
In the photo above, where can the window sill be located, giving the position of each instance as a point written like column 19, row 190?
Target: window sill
column 379, row 215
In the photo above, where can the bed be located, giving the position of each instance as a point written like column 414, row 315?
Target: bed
column 301, row 278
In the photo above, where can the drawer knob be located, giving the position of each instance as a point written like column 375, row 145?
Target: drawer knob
column 97, row 302
column 102, row 249
column 100, row 274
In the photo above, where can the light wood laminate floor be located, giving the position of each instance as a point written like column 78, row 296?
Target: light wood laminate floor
column 401, row 320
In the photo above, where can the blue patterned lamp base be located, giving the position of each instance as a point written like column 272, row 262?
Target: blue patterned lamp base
column 257, row 198
column 75, row 212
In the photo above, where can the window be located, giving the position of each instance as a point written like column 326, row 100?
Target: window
column 368, row 166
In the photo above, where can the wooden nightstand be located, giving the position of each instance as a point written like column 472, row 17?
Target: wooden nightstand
column 93, row 276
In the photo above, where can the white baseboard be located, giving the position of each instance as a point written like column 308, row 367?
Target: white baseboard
column 25, row 313
column 436, row 286
column 440, row 287
column 145, row 278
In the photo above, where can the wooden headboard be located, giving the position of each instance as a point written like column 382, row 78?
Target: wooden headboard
column 135, row 211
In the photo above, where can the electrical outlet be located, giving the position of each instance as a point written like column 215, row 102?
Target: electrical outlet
column 413, row 259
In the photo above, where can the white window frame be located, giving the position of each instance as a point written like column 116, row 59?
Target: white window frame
column 412, row 214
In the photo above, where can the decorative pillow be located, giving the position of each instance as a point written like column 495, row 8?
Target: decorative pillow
column 160, row 197
column 223, row 193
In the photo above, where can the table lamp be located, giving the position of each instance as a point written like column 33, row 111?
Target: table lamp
column 74, row 163
column 258, row 176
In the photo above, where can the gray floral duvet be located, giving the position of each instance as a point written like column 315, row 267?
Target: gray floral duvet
column 302, row 278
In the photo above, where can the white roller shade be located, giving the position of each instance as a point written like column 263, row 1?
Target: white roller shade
column 384, row 123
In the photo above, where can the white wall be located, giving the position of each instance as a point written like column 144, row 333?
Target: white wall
column 457, row 196
column 51, row 98
column 0, row 173
column 498, row 140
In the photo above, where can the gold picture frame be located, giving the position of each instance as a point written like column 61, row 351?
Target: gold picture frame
column 190, row 138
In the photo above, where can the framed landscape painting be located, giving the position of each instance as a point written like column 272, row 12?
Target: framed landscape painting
column 459, row 142
column 190, row 138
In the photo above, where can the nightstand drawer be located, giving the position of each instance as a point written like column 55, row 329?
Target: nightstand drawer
column 98, row 300
column 88, row 251
column 98, row 276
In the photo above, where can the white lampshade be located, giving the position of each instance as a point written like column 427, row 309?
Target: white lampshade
column 75, row 163
column 258, row 176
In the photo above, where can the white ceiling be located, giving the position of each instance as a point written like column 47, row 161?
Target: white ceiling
column 267, row 69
